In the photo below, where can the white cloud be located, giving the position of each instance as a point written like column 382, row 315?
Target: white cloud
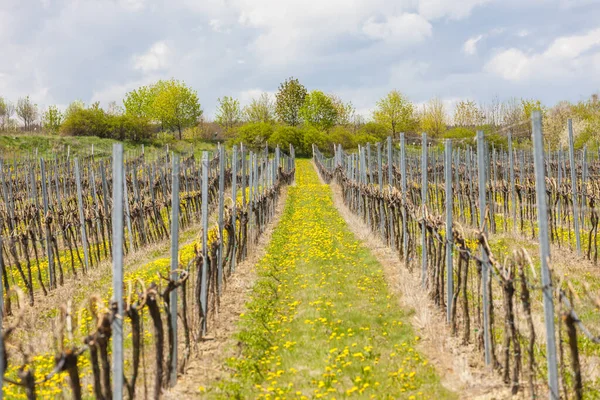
column 470, row 46
column 453, row 9
column 566, row 56
column 407, row 28
column 523, row 33
column 216, row 24
column 157, row 58
column 133, row 5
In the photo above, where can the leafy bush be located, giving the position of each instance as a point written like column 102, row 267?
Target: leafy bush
column 286, row 135
column 254, row 135
column 94, row 121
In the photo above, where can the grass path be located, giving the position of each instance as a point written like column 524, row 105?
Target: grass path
column 320, row 322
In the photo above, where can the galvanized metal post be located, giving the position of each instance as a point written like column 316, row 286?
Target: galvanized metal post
column 513, row 191
column 380, row 182
column 424, row 207
column 574, row 188
column 49, row 253
column 403, row 191
column 449, row 234
column 203, row 281
column 117, row 239
column 234, row 173
column 86, row 256
column 127, row 213
column 174, row 264
column 542, row 212
column 2, row 366
column 243, row 173
column 221, row 217
column 484, row 258
column 390, row 160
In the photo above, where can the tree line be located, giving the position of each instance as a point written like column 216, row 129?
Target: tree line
column 300, row 117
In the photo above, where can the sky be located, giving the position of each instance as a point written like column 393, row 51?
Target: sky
column 57, row 51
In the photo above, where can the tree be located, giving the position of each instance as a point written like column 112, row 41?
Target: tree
column 52, row 119
column 140, row 102
column 433, row 117
column 254, row 135
column 555, row 124
column 289, row 100
column 345, row 112
column 260, row 110
column 318, row 110
column 395, row 112
column 468, row 115
column 73, row 107
column 175, row 105
column 228, row 113
column 3, row 113
column 286, row 135
column 115, row 109
column 27, row 112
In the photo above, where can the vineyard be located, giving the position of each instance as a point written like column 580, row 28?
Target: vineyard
column 116, row 271
column 479, row 227
column 67, row 331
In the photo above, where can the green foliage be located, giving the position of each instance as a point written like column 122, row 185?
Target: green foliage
column 341, row 135
column 376, row 130
column 530, row 105
column 396, row 113
column 73, row 107
column 52, row 119
column 433, row 118
column 318, row 110
column 171, row 103
column 346, row 113
column 254, row 135
column 286, row 135
column 319, row 138
column 139, row 102
column 176, row 105
column 94, row 121
column 228, row 113
column 289, row 100
column 460, row 133
column 260, row 110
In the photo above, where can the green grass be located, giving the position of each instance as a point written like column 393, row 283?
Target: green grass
column 321, row 322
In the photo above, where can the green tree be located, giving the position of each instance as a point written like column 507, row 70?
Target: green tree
column 318, row 111
column 73, row 107
column 140, row 102
column 175, row 105
column 52, row 119
column 289, row 100
column 286, row 135
column 255, row 135
column 345, row 112
column 433, row 118
column 228, row 113
column 395, row 112
column 374, row 129
column 27, row 112
column 260, row 110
